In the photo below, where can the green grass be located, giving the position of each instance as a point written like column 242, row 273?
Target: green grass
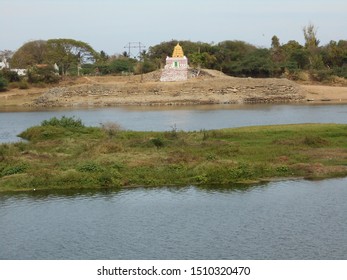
column 62, row 154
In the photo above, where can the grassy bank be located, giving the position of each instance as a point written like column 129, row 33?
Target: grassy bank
column 66, row 154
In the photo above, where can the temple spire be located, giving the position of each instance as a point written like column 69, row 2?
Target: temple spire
column 178, row 51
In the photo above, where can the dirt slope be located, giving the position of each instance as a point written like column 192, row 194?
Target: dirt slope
column 210, row 87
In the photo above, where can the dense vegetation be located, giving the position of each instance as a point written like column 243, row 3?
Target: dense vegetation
column 310, row 61
column 292, row 60
column 63, row 153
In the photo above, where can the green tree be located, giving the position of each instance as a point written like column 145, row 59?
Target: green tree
column 121, row 64
column 103, row 57
column 202, row 60
column 256, row 64
column 68, row 53
column 228, row 52
column 158, row 53
column 335, row 54
column 296, row 56
column 148, row 66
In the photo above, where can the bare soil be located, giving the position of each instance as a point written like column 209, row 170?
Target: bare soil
column 322, row 93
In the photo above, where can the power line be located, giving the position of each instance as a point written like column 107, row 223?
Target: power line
column 135, row 45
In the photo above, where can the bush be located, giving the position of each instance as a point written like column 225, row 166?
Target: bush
column 10, row 76
column 122, row 65
column 66, row 122
column 157, row 142
column 3, row 84
column 341, row 71
column 43, row 75
column 321, row 75
column 90, row 167
column 111, row 128
column 23, row 85
column 13, row 170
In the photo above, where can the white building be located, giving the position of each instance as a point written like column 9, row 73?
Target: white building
column 4, row 64
column 176, row 68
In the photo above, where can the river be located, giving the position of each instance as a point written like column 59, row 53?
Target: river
column 293, row 219
column 183, row 118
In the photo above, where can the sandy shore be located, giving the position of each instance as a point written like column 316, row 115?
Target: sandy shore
column 325, row 94
column 212, row 87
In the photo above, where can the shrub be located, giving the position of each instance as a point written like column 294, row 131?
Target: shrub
column 3, row 84
column 3, row 151
column 111, row 128
column 315, row 141
column 90, row 167
column 66, row 122
column 13, row 170
column 122, row 65
column 157, row 142
column 321, row 75
column 106, row 180
column 10, row 76
column 43, row 75
column 23, row 85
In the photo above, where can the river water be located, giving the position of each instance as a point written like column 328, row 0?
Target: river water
column 280, row 220
column 294, row 219
column 183, row 118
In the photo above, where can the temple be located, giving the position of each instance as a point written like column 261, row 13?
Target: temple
column 176, row 68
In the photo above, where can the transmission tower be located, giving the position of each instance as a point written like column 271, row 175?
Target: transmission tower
column 135, row 45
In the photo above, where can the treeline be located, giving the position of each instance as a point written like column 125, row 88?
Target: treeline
column 237, row 58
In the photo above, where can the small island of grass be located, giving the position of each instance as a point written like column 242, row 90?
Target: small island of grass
column 63, row 153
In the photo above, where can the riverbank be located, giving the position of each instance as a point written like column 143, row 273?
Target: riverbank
column 211, row 87
column 62, row 154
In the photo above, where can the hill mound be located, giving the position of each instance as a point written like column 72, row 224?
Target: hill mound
column 205, row 87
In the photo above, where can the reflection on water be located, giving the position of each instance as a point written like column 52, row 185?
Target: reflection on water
column 280, row 220
column 184, row 118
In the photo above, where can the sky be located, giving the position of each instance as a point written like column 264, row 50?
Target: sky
column 109, row 25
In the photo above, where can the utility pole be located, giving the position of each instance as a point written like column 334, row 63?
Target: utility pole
column 135, row 45
column 140, row 47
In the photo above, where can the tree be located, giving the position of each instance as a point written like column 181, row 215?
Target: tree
column 228, row 52
column 67, row 53
column 277, row 54
column 335, row 57
column 296, row 56
column 255, row 64
column 160, row 52
column 311, row 44
column 204, row 60
column 103, row 57
column 121, row 64
column 30, row 54
column 311, row 41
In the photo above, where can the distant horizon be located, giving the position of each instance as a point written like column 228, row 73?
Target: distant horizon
column 110, row 25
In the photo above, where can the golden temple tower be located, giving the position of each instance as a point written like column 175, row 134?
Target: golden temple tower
column 178, row 51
